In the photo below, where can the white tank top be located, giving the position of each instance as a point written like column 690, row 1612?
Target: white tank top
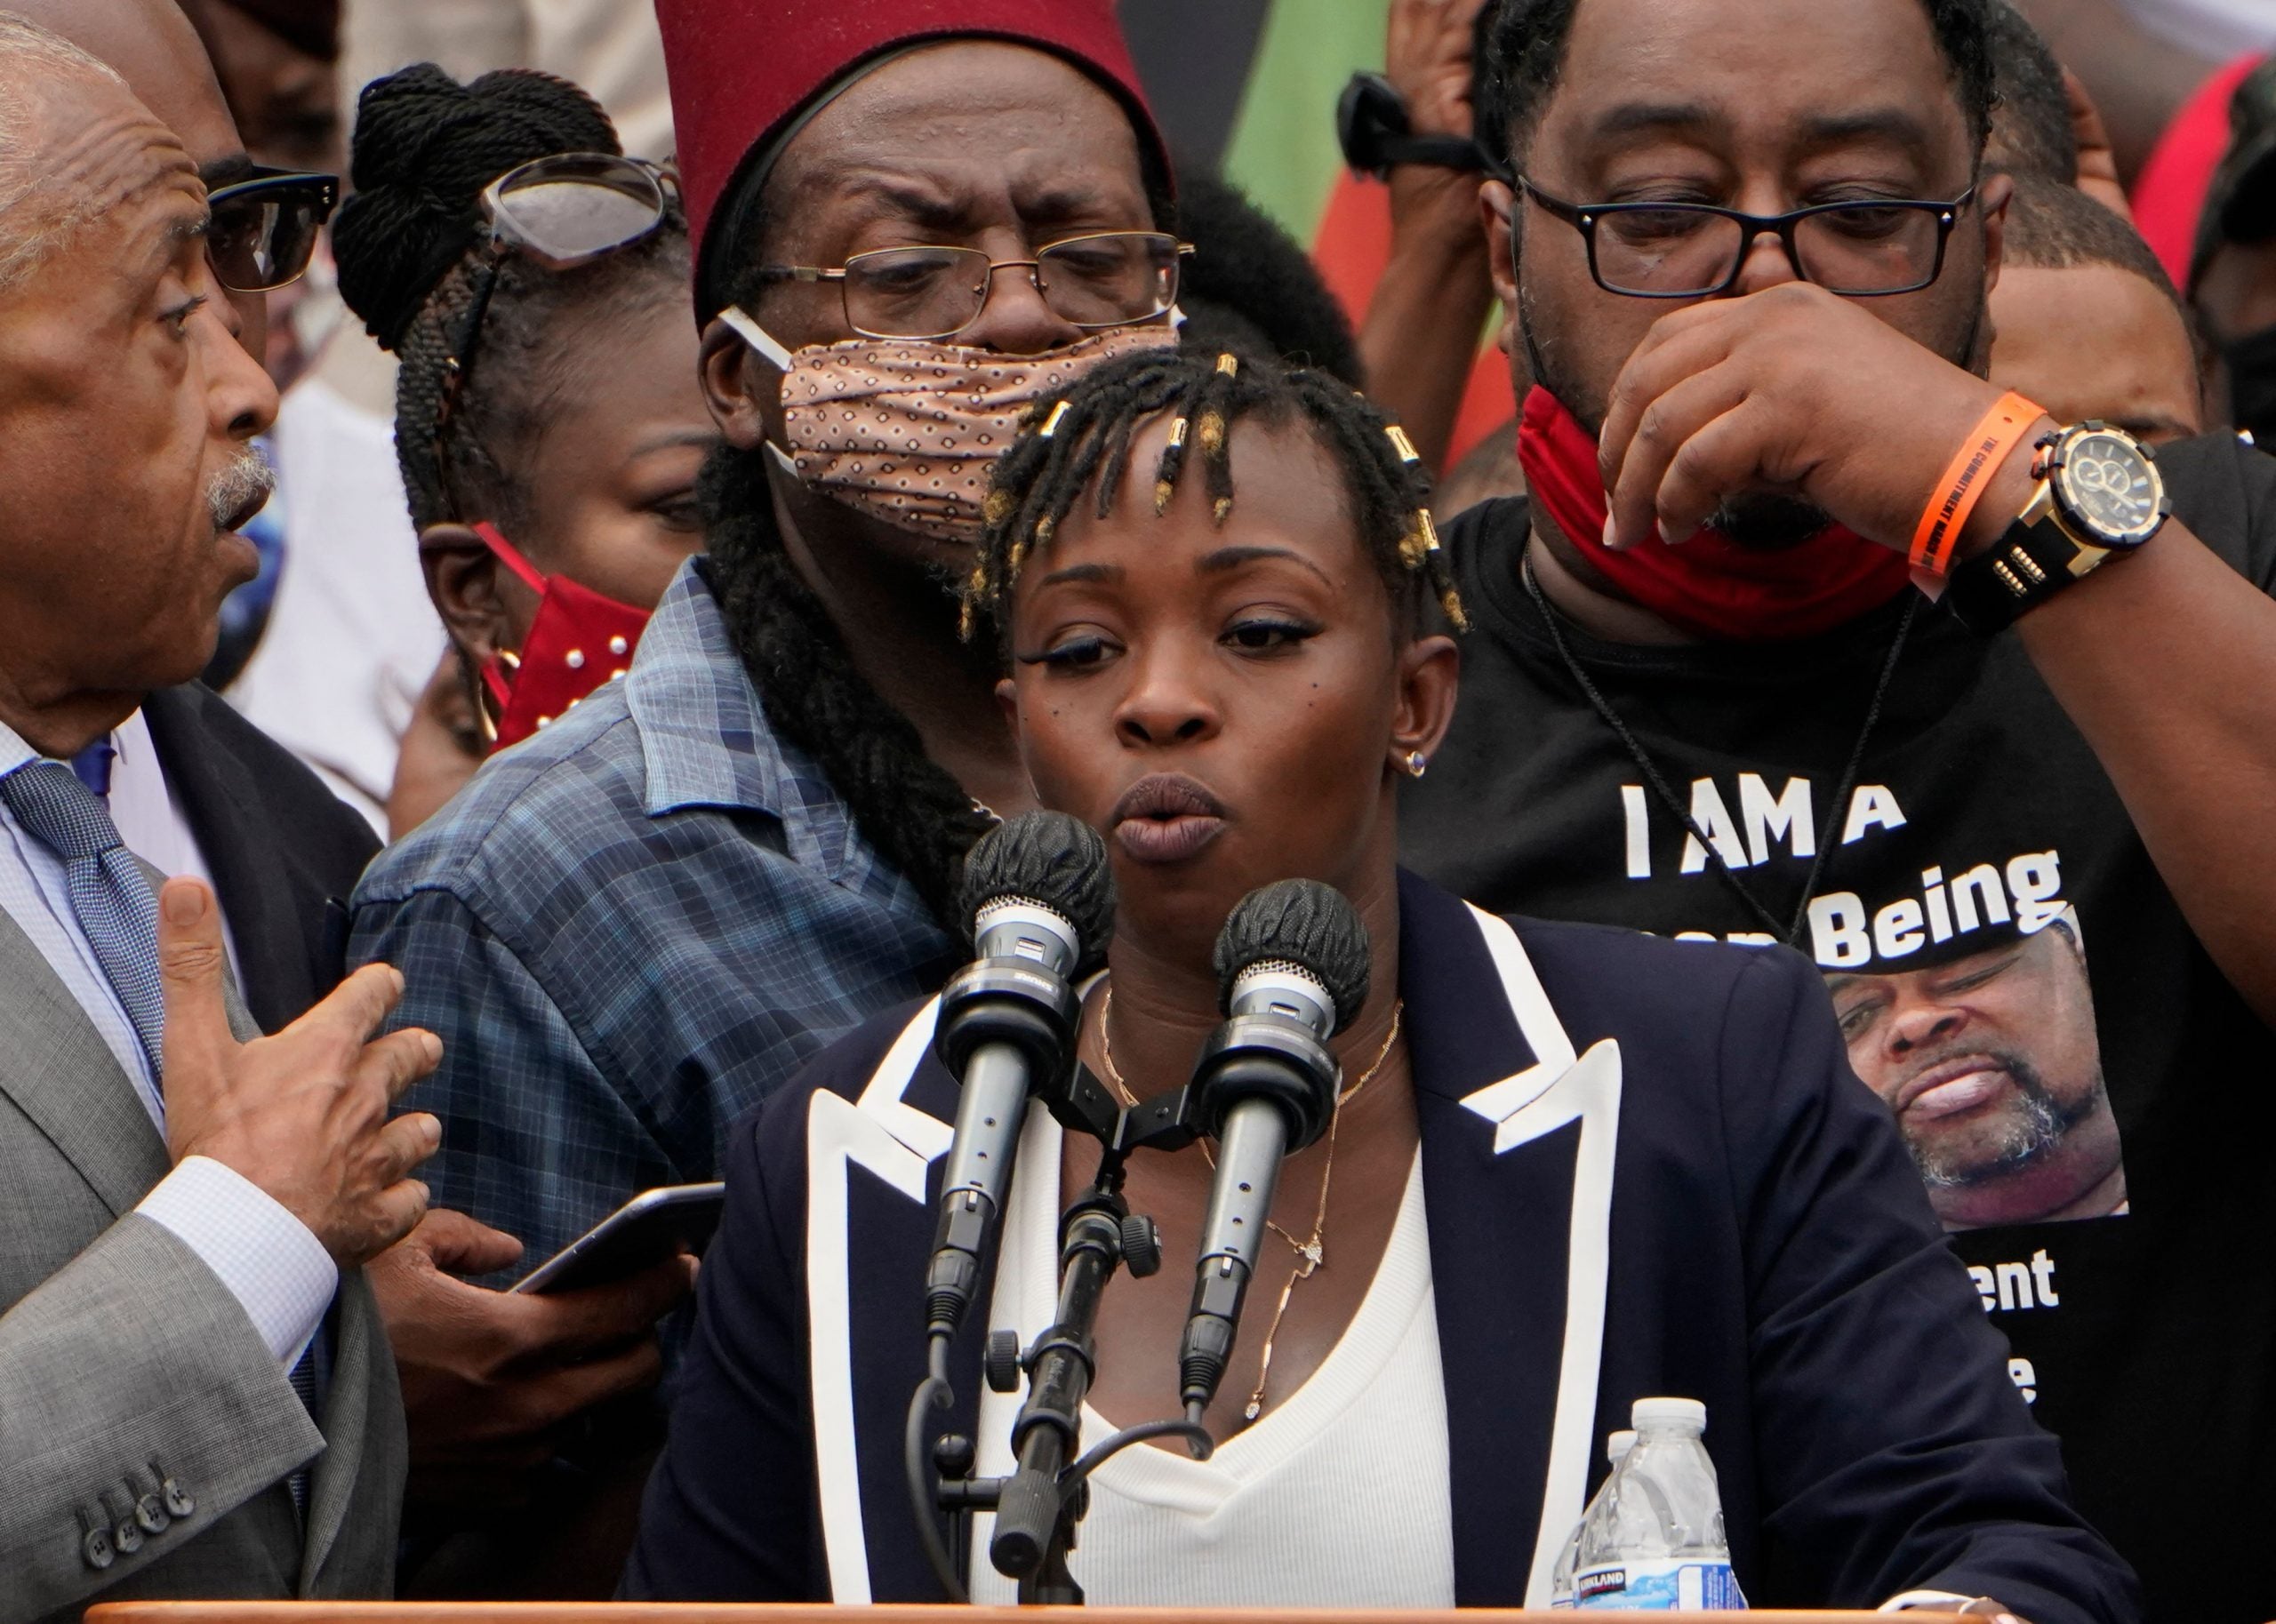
column 1336, row 1496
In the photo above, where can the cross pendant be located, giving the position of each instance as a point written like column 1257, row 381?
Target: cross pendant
column 1314, row 1254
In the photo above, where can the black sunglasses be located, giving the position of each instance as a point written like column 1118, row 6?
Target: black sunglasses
column 265, row 228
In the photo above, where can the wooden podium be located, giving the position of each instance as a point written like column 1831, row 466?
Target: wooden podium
column 644, row 1612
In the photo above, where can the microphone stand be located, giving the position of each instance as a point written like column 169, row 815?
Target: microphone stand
column 1039, row 1505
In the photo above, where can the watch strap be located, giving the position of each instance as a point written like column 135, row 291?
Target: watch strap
column 2034, row 561
column 1372, row 128
column 1439, row 151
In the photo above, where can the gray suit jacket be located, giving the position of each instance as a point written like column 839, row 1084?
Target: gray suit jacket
column 137, row 1401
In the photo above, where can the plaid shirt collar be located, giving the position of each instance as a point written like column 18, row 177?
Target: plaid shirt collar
column 705, row 739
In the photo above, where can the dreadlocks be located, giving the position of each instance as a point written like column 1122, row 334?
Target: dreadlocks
column 1080, row 439
column 905, row 804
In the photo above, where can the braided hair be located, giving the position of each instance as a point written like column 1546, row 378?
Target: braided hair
column 1080, row 440
column 906, row 804
column 414, row 252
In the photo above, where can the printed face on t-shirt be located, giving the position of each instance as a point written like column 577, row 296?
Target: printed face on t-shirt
column 1992, row 1065
column 1957, row 966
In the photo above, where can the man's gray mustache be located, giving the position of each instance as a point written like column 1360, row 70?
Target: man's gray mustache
column 240, row 488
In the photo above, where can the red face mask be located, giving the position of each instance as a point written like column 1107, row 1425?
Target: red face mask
column 1710, row 585
column 578, row 641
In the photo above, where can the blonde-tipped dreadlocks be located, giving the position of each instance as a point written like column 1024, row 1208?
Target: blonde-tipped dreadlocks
column 1080, row 439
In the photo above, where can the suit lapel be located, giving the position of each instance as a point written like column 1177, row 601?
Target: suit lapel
column 270, row 906
column 873, row 1171
column 1518, row 1134
column 360, row 1362
column 56, row 1068
column 1518, row 1139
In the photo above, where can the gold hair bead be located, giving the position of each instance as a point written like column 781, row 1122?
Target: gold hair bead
column 1429, row 530
column 1400, row 444
column 1051, row 424
column 1229, row 363
column 1177, row 432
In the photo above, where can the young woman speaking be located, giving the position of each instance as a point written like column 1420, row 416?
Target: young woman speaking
column 1569, row 1166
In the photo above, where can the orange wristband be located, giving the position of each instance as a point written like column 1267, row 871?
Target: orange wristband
column 1985, row 449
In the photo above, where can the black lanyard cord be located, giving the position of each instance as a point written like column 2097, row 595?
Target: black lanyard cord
column 1791, row 935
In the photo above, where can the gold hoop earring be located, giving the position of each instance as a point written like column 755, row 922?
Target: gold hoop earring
column 483, row 699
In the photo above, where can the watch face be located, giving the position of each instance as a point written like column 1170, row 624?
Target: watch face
column 2112, row 488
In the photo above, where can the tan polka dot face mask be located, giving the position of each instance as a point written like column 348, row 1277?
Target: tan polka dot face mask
column 906, row 430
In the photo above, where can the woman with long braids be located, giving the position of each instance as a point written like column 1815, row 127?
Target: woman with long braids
column 632, row 926
column 1566, row 1168
column 527, row 277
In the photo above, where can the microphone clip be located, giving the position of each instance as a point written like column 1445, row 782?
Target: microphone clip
column 1007, row 1001
column 1265, row 1056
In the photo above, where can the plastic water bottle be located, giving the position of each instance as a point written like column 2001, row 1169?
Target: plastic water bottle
column 1654, row 1543
column 1560, row 1576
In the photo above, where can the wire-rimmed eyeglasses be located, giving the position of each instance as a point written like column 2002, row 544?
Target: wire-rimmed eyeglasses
column 1101, row 279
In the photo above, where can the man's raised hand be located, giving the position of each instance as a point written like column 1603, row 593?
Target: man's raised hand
column 302, row 1115
column 1791, row 389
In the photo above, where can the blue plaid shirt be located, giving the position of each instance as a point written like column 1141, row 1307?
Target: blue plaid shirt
column 627, row 931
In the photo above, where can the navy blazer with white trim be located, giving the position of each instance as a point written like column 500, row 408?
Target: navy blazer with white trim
column 1648, row 1168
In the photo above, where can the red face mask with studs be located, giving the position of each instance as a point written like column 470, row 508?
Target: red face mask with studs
column 579, row 640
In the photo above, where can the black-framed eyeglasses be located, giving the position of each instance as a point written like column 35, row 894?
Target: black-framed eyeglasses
column 1102, row 279
column 264, row 228
column 1861, row 248
column 562, row 212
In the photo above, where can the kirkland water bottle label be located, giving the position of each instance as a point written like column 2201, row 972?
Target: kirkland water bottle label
column 1659, row 1584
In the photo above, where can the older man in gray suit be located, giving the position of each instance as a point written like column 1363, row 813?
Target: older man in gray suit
column 196, row 1395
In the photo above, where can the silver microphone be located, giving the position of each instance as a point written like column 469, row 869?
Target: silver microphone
column 1293, row 970
column 1040, row 897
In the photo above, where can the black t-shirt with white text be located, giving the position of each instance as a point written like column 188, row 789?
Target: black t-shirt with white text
column 2091, row 1104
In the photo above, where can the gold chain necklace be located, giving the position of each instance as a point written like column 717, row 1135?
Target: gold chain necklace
column 1309, row 1255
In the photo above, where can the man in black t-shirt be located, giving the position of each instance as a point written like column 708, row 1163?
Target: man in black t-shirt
column 1764, row 733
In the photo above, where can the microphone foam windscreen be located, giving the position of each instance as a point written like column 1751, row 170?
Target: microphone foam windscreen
column 1303, row 922
column 1048, row 858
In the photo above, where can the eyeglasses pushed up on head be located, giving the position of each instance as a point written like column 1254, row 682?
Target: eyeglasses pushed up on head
column 562, row 211
column 1861, row 248
column 264, row 229
column 1102, row 279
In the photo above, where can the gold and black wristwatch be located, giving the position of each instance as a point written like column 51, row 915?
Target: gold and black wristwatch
column 2099, row 497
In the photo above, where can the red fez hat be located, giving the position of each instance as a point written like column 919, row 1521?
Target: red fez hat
column 743, row 70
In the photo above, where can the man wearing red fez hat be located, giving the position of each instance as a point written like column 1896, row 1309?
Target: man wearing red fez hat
column 911, row 219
